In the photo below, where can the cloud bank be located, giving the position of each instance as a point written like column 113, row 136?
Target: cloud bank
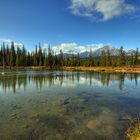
column 102, row 10
column 74, row 48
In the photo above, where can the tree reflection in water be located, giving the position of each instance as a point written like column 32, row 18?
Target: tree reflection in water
column 12, row 82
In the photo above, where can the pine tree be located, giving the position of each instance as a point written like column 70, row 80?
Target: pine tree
column 18, row 57
column 61, row 60
column 8, row 54
column 78, row 63
column 44, row 58
column 121, row 57
column 136, row 57
column 108, row 58
column 90, row 58
column 132, row 60
column 40, row 55
column 35, row 56
column 3, row 55
column 103, row 58
column 55, row 60
column 24, row 56
column 28, row 59
column 50, row 57
column 12, row 55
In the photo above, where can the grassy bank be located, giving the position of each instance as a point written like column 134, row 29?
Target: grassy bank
column 106, row 69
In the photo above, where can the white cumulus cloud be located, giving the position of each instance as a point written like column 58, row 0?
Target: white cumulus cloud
column 101, row 9
column 65, row 47
column 74, row 48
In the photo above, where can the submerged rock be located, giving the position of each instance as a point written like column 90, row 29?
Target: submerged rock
column 66, row 101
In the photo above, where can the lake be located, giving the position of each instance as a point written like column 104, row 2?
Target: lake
column 67, row 105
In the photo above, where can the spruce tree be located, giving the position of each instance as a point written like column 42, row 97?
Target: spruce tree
column 12, row 55
column 121, row 57
column 132, row 60
column 108, row 58
column 136, row 57
column 90, row 59
column 103, row 58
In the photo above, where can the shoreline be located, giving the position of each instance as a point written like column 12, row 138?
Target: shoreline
column 80, row 68
column 107, row 69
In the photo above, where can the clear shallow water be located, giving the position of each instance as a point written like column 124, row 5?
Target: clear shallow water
column 60, row 105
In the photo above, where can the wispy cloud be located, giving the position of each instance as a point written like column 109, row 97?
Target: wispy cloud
column 8, row 41
column 5, row 40
column 102, row 10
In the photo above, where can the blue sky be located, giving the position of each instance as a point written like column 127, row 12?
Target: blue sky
column 65, row 23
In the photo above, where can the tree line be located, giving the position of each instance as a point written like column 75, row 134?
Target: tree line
column 15, row 56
